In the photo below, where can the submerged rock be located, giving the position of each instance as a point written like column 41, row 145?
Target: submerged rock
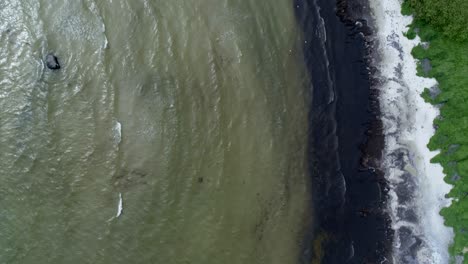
column 52, row 62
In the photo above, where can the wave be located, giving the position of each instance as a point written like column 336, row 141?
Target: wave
column 120, row 206
column 117, row 132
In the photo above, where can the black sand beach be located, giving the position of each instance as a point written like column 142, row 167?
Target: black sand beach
column 350, row 225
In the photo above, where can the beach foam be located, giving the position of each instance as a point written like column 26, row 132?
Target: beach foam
column 117, row 132
column 417, row 189
column 119, row 206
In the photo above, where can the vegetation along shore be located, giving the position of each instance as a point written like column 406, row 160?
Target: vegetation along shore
column 443, row 55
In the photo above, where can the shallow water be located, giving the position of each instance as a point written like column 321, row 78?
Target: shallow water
column 194, row 113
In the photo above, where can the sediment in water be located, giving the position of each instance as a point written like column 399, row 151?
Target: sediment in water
column 210, row 154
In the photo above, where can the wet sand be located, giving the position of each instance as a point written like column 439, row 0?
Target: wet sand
column 350, row 225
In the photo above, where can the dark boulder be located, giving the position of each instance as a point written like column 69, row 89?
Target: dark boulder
column 52, row 62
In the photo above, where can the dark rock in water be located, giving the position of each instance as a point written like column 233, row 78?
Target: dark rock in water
column 52, row 62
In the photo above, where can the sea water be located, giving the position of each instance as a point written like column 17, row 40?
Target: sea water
column 174, row 132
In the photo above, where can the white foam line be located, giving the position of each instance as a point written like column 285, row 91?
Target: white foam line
column 117, row 130
column 120, row 206
column 408, row 125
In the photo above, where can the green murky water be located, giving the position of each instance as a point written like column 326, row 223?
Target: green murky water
column 194, row 111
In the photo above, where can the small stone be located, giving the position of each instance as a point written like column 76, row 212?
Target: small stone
column 52, row 62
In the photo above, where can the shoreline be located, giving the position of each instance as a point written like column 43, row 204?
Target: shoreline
column 443, row 57
column 416, row 185
column 346, row 137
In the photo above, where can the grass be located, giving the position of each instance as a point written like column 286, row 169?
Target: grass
column 449, row 59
